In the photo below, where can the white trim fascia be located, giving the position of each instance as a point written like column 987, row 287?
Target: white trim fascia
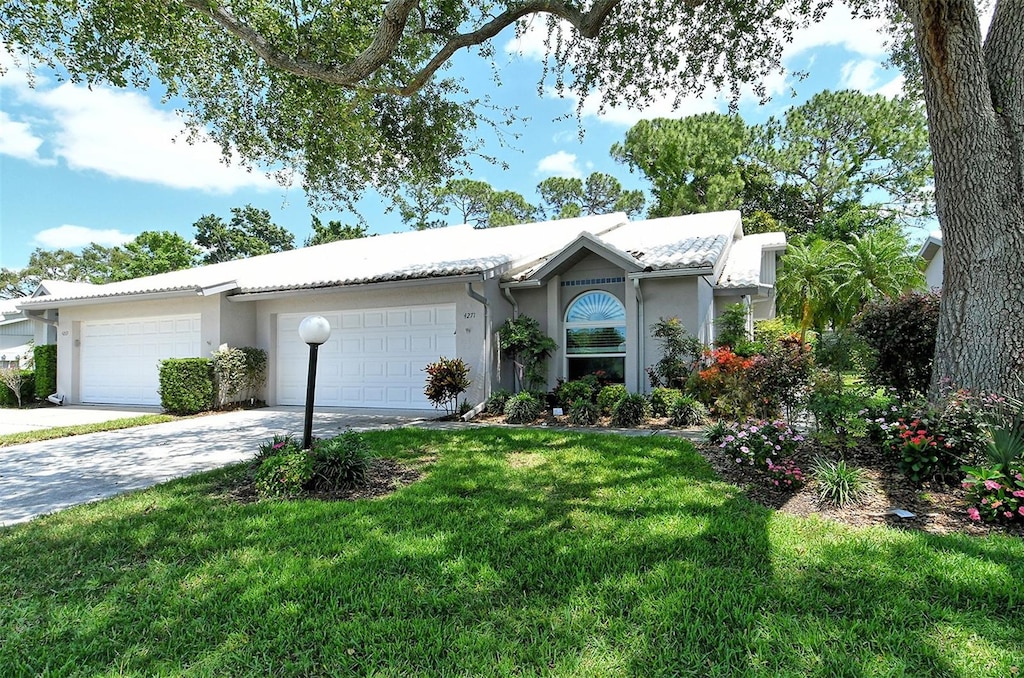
column 670, row 273
column 46, row 303
column 752, row 290
column 592, row 244
column 521, row 284
column 383, row 284
column 220, row 288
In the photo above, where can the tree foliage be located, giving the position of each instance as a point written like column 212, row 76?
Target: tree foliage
column 569, row 197
column 251, row 232
column 333, row 231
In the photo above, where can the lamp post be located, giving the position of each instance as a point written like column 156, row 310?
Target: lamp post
column 314, row 330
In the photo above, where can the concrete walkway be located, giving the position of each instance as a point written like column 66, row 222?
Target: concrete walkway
column 39, row 478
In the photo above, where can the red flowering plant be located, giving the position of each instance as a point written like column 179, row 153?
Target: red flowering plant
column 923, row 452
column 785, row 474
column 994, row 496
column 727, row 383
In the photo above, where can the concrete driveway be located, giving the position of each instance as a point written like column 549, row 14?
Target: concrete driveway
column 43, row 477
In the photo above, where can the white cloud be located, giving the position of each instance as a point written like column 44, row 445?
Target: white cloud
column 122, row 135
column 560, row 164
column 70, row 236
column 18, row 141
column 864, row 75
column 839, row 28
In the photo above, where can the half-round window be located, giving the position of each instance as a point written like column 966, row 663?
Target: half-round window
column 595, row 336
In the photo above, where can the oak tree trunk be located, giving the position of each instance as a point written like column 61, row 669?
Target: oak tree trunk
column 975, row 101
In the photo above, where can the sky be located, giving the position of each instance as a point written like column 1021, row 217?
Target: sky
column 80, row 165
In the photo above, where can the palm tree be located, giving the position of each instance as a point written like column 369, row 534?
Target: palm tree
column 807, row 283
column 873, row 266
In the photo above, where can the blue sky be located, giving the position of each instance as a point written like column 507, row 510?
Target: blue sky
column 102, row 165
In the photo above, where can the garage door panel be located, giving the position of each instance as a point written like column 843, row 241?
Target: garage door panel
column 120, row 359
column 377, row 356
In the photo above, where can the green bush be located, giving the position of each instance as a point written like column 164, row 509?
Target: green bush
column 583, row 413
column 46, row 369
column 630, row 411
column 285, row 475
column 569, row 392
column 447, row 379
column 186, row 385
column 277, row 445
column 496, row 401
column 687, row 411
column 681, row 353
column 28, row 390
column 609, row 396
column 901, row 336
column 662, row 399
column 522, row 408
column 341, row 461
column 239, row 373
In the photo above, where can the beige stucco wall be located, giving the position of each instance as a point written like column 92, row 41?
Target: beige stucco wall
column 210, row 310
column 681, row 298
column 471, row 320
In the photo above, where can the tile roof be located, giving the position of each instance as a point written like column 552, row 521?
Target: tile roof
column 743, row 267
column 690, row 241
column 454, row 250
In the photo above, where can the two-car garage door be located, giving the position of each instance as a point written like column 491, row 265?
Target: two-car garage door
column 374, row 358
column 120, row 359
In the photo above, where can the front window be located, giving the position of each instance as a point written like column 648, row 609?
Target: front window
column 595, row 336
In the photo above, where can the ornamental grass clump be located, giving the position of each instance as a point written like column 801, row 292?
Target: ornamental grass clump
column 687, row 411
column 340, row 462
column 584, row 413
column 839, row 484
column 630, row 411
column 522, row 408
column 608, row 396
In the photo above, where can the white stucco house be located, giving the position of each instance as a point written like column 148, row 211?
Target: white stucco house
column 396, row 302
column 931, row 252
column 18, row 335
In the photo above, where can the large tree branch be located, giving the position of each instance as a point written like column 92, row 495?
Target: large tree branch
column 389, row 35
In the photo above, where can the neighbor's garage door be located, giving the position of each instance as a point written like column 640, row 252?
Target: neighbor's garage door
column 120, row 360
column 374, row 358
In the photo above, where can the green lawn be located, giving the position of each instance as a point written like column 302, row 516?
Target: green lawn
column 522, row 552
column 81, row 429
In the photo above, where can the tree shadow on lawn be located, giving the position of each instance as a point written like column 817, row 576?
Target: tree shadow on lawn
column 517, row 554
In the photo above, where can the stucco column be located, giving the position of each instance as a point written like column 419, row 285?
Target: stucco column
column 633, row 338
column 556, row 362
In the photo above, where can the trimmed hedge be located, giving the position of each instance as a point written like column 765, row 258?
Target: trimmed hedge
column 186, row 385
column 28, row 391
column 46, row 369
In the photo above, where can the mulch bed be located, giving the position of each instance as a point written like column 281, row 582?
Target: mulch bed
column 937, row 508
column 384, row 477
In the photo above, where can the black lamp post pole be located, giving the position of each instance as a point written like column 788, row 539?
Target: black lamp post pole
column 307, row 430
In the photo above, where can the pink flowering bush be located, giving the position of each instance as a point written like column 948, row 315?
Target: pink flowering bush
column 786, row 475
column 994, row 496
column 757, row 443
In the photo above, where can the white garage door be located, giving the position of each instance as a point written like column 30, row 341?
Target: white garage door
column 120, row 360
column 374, row 358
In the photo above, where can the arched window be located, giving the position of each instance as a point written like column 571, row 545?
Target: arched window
column 595, row 336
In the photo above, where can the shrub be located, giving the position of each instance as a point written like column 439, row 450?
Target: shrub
column 994, row 494
column 45, row 358
column 839, row 484
column 901, row 335
column 662, row 399
column 681, row 353
column 631, row 410
column 731, row 327
column 786, row 475
column 838, row 410
column 496, row 401
column 239, row 373
column 523, row 342
column 760, row 443
column 923, row 453
column 770, row 331
column 284, row 475
column 447, row 379
column 340, row 462
column 727, row 384
column 715, row 433
column 687, row 411
column 522, row 408
column 779, row 377
column 569, row 392
column 839, row 350
column 609, row 396
column 584, row 413
column 186, row 385
column 17, row 387
column 276, row 445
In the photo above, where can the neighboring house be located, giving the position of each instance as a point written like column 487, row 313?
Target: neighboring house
column 17, row 335
column 931, row 252
column 397, row 302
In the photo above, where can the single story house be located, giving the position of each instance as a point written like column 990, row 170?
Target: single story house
column 397, row 302
column 931, row 252
column 18, row 335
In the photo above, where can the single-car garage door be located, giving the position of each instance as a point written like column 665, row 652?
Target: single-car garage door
column 120, row 359
column 374, row 358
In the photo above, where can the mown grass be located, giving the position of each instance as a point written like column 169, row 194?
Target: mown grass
column 81, row 429
column 521, row 552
